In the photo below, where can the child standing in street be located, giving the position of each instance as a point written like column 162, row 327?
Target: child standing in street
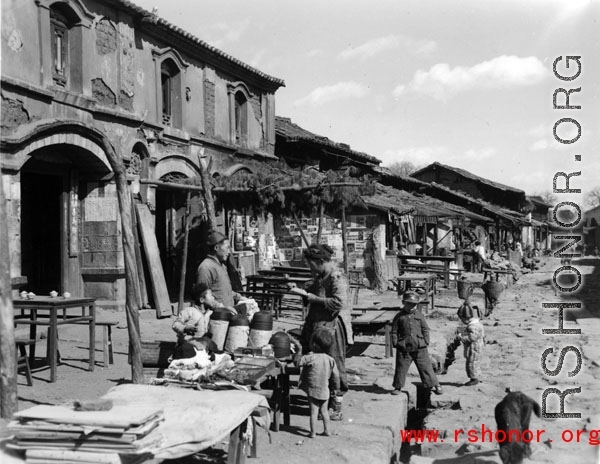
column 472, row 339
column 410, row 336
column 319, row 373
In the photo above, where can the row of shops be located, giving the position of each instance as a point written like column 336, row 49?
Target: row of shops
column 174, row 109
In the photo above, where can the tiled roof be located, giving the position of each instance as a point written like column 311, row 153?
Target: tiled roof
column 160, row 22
column 469, row 175
column 403, row 202
column 284, row 127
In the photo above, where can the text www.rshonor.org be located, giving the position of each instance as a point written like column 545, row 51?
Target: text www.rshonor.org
column 485, row 435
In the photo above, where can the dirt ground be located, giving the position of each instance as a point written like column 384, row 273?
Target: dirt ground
column 514, row 347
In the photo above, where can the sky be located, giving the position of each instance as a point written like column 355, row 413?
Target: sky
column 467, row 83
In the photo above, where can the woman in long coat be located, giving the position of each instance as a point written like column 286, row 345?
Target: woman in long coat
column 328, row 307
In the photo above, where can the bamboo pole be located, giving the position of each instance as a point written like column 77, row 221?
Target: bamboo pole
column 132, row 304
column 321, row 219
column 186, row 234
column 174, row 186
column 8, row 358
column 345, row 239
column 295, row 217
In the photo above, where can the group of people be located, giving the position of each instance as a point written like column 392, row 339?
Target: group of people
column 327, row 330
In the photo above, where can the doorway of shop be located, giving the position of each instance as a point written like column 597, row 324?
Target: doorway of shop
column 41, row 231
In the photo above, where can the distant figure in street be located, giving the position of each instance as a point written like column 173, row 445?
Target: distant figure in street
column 410, row 336
column 319, row 374
column 480, row 256
column 472, row 339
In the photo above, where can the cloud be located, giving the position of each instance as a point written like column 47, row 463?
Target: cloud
column 428, row 154
column 418, row 47
column 478, row 155
column 339, row 91
column 544, row 138
column 443, row 81
column 220, row 34
column 416, row 155
column 315, row 53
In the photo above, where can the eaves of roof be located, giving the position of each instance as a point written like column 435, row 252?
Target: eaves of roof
column 161, row 23
column 291, row 132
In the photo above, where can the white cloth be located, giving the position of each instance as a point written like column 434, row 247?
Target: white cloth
column 194, row 420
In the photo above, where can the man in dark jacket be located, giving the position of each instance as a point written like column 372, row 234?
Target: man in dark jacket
column 410, row 336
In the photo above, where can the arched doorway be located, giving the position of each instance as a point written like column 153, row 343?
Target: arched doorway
column 54, row 182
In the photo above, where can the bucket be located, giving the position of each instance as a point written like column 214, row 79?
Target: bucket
column 219, row 324
column 493, row 289
column 261, row 329
column 281, row 344
column 237, row 335
column 464, row 288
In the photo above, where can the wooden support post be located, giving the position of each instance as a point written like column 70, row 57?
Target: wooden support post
column 206, row 192
column 186, row 234
column 8, row 357
column 131, row 275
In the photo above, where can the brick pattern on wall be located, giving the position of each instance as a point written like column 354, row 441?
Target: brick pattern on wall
column 100, row 244
column 209, row 108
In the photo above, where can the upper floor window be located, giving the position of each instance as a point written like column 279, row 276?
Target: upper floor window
column 60, row 47
column 241, row 118
column 169, row 67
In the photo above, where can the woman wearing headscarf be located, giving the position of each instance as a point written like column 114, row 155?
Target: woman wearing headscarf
column 328, row 308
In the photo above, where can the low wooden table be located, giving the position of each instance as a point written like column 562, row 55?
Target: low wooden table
column 52, row 306
column 446, row 260
column 374, row 319
column 426, row 282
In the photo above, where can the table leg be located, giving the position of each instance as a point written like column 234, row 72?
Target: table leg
column 52, row 339
column 389, row 350
column 285, row 384
column 235, row 453
column 92, row 311
column 277, row 398
column 446, row 274
column 32, row 335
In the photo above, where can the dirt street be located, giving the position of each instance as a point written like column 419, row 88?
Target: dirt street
column 513, row 351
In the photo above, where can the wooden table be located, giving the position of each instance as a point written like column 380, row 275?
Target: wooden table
column 279, row 377
column 446, row 260
column 498, row 272
column 373, row 319
column 52, row 306
column 411, row 281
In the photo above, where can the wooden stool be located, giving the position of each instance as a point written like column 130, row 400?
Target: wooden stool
column 107, row 345
column 22, row 359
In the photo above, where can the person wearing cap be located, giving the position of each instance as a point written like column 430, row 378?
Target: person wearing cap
column 328, row 308
column 473, row 341
column 212, row 271
column 410, row 336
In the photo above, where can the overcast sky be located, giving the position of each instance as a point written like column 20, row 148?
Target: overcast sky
column 467, row 83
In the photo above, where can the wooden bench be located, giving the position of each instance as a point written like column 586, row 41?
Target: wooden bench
column 488, row 271
column 22, row 358
column 437, row 269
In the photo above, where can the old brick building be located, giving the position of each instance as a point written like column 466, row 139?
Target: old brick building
column 78, row 71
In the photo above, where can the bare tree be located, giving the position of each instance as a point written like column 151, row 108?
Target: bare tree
column 403, row 168
column 592, row 197
column 547, row 196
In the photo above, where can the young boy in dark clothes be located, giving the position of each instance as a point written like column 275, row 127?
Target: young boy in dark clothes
column 410, row 336
column 319, row 372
